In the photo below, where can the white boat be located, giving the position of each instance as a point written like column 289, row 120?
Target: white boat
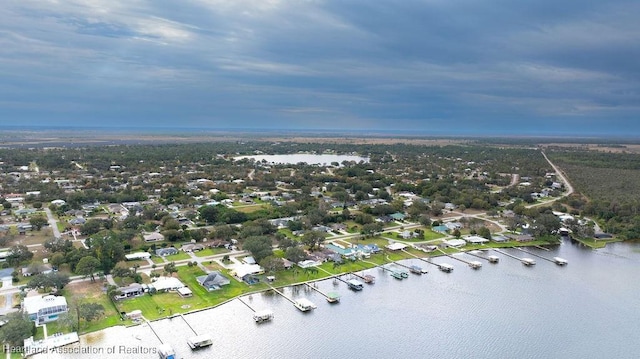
column 446, row 267
column 528, row 261
column 199, row 341
column 493, row 259
column 263, row 316
column 304, row 304
column 560, row 261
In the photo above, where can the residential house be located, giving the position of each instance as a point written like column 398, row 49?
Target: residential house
column 192, row 247
column 153, row 237
column 44, row 309
column 213, row 281
column 165, row 284
column 130, row 291
column 163, row 252
column 137, row 256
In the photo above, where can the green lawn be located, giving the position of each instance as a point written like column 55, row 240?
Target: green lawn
column 596, row 243
column 157, row 260
column 211, row 251
column 177, row 257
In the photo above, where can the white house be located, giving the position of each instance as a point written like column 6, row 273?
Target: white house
column 44, row 309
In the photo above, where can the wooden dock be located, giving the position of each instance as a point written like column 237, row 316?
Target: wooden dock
column 525, row 261
column 282, row 294
column 367, row 278
column 556, row 260
column 247, row 304
column 330, row 299
column 477, row 256
column 424, row 260
column 474, row 265
column 187, row 323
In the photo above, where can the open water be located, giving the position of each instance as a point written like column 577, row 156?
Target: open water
column 587, row 309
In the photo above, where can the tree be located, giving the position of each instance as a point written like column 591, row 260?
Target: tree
column 56, row 260
column 91, row 226
column 109, row 251
column 484, row 232
column 18, row 254
column 295, row 254
column 87, row 266
column 312, row 239
column 38, row 222
column 55, row 280
column 170, row 268
column 17, row 328
column 259, row 246
column 173, row 235
column 371, row 229
column 90, row 311
column 272, row 264
column 456, row 233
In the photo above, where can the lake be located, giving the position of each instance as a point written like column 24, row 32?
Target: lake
column 586, row 309
column 308, row 158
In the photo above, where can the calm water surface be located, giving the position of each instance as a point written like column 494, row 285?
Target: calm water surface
column 587, row 309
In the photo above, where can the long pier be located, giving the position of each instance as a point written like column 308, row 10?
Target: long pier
column 335, row 276
column 187, row 323
column 282, row 294
column 245, row 303
column 556, row 261
column 366, row 278
column 319, row 291
column 475, row 255
column 507, row 254
column 153, row 330
column 422, row 259
column 474, row 265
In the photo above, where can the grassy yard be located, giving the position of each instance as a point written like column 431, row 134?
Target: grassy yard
column 596, row 243
column 177, row 257
column 87, row 292
column 211, row 251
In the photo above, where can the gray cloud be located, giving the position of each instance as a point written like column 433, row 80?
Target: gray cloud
column 466, row 66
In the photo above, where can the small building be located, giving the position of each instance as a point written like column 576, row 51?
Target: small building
column 137, row 256
column 476, row 240
column 44, row 309
column 213, row 281
column 454, row 243
column 396, row 246
column 131, row 291
column 185, row 292
column 398, row 216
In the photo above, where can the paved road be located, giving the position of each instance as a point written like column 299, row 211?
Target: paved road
column 53, row 223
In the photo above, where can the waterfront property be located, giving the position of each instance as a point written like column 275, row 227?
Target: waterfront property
column 130, row 291
column 44, row 309
column 213, row 281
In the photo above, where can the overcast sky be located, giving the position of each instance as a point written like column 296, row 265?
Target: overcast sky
column 430, row 66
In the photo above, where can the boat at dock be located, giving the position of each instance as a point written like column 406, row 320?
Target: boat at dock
column 199, row 341
column 165, row 351
column 369, row 279
column 333, row 297
column 396, row 275
column 528, row 261
column 263, row 316
column 355, row 284
column 475, row 264
column 560, row 261
column 304, row 304
column 445, row 267
column 417, row 270
column 493, row 259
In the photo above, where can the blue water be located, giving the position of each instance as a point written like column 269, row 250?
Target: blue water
column 587, row 309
